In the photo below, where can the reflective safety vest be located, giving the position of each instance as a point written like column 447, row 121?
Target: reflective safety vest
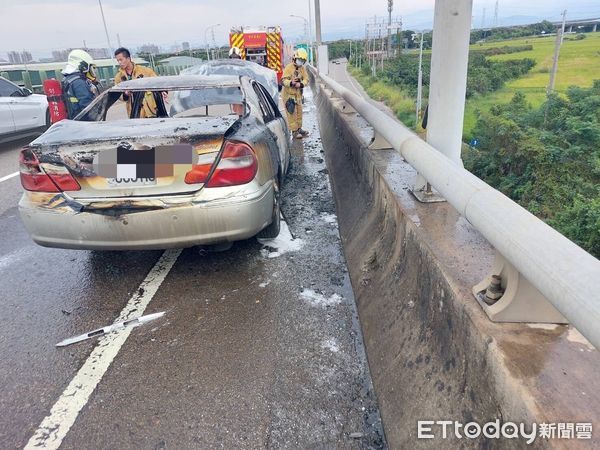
column 149, row 106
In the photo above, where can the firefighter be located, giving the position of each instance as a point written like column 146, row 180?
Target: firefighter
column 128, row 70
column 235, row 53
column 79, row 84
column 294, row 79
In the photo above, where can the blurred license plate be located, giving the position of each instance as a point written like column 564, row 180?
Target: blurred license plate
column 129, row 182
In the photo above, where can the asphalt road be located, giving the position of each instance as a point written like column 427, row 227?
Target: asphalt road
column 260, row 345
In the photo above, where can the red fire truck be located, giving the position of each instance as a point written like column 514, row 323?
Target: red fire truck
column 263, row 45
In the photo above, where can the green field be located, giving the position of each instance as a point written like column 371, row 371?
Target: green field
column 579, row 65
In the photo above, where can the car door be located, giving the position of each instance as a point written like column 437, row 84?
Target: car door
column 276, row 123
column 7, row 124
column 28, row 109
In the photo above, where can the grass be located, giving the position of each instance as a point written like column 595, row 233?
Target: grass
column 578, row 65
column 397, row 100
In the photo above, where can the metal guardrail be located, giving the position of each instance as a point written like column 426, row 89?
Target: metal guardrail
column 33, row 79
column 564, row 273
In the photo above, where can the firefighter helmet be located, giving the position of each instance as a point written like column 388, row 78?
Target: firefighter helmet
column 81, row 60
column 234, row 52
column 301, row 54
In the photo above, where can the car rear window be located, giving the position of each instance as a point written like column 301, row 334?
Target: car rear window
column 207, row 101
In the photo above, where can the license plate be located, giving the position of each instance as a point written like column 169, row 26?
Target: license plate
column 130, row 182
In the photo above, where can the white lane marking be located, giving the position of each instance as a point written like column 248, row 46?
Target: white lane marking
column 8, row 177
column 63, row 414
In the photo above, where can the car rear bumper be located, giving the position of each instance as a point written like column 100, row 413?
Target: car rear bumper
column 229, row 219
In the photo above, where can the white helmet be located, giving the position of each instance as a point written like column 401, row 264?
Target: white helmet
column 234, row 52
column 81, row 60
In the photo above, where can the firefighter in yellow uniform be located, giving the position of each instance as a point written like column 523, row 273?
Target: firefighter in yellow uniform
column 294, row 79
column 128, row 70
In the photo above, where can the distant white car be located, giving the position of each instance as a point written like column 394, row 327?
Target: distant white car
column 21, row 112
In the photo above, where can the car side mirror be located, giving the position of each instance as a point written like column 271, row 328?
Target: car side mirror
column 26, row 92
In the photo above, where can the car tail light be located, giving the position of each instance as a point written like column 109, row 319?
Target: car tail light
column 49, row 178
column 200, row 171
column 238, row 165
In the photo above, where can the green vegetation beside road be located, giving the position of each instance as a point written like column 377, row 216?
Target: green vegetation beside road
column 547, row 159
column 579, row 65
column 543, row 152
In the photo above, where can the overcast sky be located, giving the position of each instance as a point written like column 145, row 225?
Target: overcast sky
column 41, row 26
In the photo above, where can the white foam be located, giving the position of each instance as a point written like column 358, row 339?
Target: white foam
column 265, row 284
column 331, row 344
column 282, row 244
column 329, row 218
column 317, row 299
column 14, row 257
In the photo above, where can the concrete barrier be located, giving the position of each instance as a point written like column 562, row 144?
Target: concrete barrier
column 433, row 353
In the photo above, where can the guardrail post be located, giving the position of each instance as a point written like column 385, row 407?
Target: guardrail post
column 507, row 296
column 103, row 76
column 43, row 76
column 448, row 81
column 27, row 80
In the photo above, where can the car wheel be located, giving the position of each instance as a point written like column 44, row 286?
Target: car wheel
column 272, row 231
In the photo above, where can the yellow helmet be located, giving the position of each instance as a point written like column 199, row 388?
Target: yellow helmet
column 301, row 54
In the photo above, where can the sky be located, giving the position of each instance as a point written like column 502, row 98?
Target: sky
column 41, row 26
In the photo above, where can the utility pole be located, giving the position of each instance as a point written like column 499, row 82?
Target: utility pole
column 214, row 44
column 105, row 29
column 496, row 14
column 310, row 30
column 118, row 39
column 420, row 81
column 558, row 43
column 448, row 82
column 322, row 51
column 318, row 21
column 562, row 33
column 206, row 39
column 389, row 31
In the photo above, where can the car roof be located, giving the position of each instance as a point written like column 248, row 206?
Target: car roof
column 178, row 82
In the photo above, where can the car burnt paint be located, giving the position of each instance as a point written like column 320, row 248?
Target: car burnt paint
column 255, row 133
column 53, row 201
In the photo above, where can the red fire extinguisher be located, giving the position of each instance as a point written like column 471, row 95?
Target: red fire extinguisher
column 56, row 105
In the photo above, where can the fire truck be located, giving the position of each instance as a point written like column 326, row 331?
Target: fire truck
column 262, row 45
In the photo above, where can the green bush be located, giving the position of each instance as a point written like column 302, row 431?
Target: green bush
column 507, row 49
column 547, row 159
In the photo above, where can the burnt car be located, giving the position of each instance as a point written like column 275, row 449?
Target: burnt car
column 204, row 166
column 265, row 76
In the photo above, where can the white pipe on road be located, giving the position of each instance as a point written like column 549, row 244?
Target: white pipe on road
column 564, row 273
